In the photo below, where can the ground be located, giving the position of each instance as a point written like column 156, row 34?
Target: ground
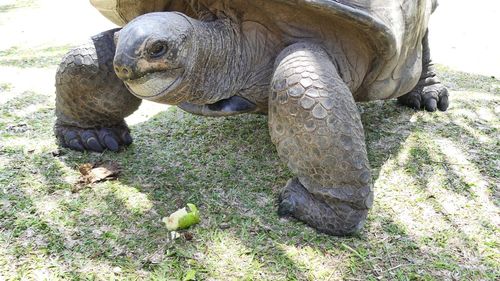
column 436, row 178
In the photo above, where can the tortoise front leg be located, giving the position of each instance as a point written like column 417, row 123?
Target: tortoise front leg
column 316, row 127
column 91, row 101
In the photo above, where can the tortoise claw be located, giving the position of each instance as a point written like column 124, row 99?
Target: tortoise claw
column 75, row 144
column 90, row 141
column 108, row 138
column 430, row 105
column 126, row 138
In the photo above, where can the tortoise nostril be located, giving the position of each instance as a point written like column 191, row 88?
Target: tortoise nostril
column 122, row 71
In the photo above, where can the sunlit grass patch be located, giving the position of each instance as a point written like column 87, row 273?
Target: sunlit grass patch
column 5, row 87
column 317, row 265
column 132, row 198
column 26, row 58
column 229, row 258
column 10, row 5
column 462, row 81
column 438, row 182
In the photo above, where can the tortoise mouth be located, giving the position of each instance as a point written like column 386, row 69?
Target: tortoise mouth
column 155, row 84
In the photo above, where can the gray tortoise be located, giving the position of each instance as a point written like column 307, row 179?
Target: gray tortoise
column 303, row 62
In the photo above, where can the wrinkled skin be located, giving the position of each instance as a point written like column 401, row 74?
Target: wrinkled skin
column 214, row 64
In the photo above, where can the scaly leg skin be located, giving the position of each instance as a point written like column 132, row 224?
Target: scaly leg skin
column 429, row 92
column 316, row 127
column 91, row 101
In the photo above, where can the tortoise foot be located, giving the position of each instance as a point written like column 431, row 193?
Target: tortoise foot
column 93, row 139
column 337, row 218
column 429, row 98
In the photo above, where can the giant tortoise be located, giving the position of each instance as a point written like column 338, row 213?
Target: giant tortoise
column 303, row 62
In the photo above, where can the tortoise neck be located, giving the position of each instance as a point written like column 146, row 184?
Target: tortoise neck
column 216, row 69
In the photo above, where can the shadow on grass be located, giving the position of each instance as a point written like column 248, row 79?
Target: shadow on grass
column 228, row 167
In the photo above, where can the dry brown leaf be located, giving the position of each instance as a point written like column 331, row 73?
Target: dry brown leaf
column 104, row 171
column 85, row 169
column 92, row 173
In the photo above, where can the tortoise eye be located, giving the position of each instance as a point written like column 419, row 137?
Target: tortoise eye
column 157, row 50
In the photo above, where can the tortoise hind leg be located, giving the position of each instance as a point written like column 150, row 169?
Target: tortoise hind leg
column 429, row 92
column 91, row 102
column 316, row 127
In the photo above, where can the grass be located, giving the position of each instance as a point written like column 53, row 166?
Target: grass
column 17, row 4
column 5, row 87
column 435, row 217
column 32, row 58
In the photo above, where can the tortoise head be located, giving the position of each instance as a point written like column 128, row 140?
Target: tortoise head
column 153, row 54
